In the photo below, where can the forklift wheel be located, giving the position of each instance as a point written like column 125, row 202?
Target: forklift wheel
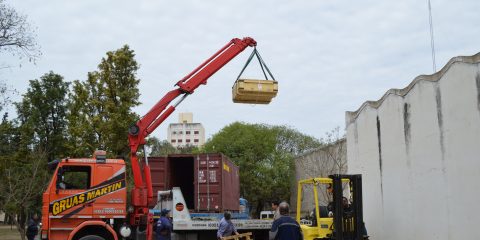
column 92, row 237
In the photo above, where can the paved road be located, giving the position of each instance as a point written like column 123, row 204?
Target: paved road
column 8, row 232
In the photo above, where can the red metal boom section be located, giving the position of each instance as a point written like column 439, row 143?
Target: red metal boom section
column 148, row 123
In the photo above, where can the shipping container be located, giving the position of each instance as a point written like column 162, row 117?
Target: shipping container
column 209, row 182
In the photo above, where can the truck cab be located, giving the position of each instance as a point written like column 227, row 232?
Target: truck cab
column 85, row 197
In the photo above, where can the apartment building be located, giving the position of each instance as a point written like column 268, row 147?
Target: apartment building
column 186, row 132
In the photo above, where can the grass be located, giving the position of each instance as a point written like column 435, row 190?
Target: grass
column 7, row 233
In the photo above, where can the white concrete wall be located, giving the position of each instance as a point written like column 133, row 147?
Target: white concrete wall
column 418, row 149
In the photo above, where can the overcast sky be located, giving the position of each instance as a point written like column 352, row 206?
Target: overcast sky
column 328, row 56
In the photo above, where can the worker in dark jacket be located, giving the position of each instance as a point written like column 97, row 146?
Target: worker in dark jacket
column 164, row 226
column 32, row 227
column 285, row 227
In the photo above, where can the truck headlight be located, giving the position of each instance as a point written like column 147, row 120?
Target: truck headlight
column 125, row 231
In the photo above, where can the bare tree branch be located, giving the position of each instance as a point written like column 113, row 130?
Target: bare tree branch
column 16, row 35
column 326, row 160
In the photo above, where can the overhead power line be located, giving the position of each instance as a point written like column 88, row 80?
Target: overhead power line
column 432, row 41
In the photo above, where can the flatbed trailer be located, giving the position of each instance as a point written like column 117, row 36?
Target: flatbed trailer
column 198, row 228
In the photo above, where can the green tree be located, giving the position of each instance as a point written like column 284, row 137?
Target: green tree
column 163, row 148
column 101, row 107
column 83, row 120
column 160, row 148
column 9, row 140
column 188, row 149
column 265, row 156
column 42, row 115
column 22, row 183
column 9, row 137
column 23, row 175
column 35, row 137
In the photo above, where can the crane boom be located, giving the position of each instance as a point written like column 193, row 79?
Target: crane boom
column 142, row 193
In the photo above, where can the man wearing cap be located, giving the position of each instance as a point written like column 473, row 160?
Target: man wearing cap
column 164, row 226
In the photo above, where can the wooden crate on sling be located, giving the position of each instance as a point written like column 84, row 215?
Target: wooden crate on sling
column 254, row 91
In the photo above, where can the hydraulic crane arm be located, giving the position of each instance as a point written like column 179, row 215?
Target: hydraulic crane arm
column 148, row 123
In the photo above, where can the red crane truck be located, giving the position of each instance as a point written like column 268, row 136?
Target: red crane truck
column 87, row 197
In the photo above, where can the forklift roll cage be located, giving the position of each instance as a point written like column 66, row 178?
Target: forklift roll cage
column 351, row 221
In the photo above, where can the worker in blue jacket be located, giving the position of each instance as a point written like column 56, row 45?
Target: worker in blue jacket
column 226, row 227
column 285, row 227
column 164, row 226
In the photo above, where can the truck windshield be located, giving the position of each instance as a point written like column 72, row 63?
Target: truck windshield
column 74, row 177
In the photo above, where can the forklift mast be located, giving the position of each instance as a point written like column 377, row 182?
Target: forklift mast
column 351, row 220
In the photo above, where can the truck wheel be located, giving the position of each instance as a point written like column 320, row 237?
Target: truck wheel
column 91, row 237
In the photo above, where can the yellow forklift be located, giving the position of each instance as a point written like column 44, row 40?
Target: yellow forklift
column 340, row 211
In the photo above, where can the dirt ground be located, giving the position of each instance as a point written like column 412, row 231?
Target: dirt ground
column 7, row 233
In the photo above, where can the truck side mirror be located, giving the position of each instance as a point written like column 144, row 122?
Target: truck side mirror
column 53, row 165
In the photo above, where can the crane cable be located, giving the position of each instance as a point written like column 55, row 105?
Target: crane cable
column 432, row 41
column 263, row 66
column 260, row 61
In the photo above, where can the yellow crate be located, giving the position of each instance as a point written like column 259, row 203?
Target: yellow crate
column 254, row 91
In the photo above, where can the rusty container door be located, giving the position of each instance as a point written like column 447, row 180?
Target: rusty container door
column 216, row 183
column 231, row 185
column 159, row 169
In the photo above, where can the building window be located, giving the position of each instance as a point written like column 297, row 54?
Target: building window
column 187, row 132
column 179, row 140
column 180, row 132
column 195, row 140
column 173, row 140
column 195, row 132
column 187, row 140
column 174, row 132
